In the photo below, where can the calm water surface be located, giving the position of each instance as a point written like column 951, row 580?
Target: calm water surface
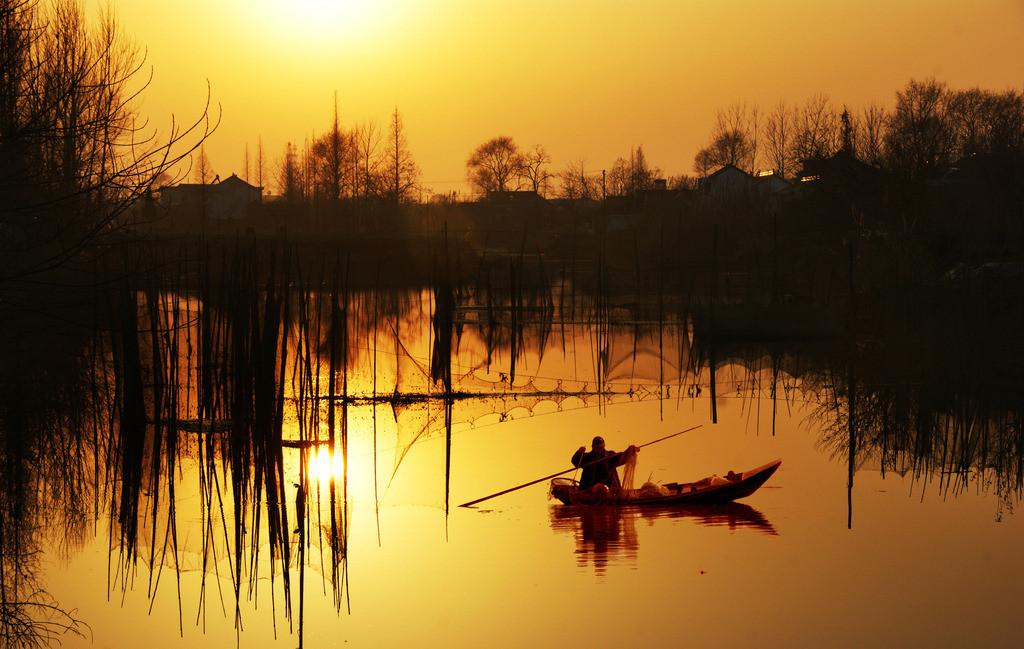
column 196, row 415
column 923, row 565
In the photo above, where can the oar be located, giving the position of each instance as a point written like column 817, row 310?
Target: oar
column 555, row 475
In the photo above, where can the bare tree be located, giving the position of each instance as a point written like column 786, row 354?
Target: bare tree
column 704, row 162
column 729, row 147
column 311, row 185
column 619, row 182
column 754, row 135
column 682, row 182
column 871, row 134
column 325, row 165
column 734, row 140
column 778, row 135
column 1002, row 136
column 847, row 133
column 494, row 165
column 534, row 170
column 203, row 174
column 403, row 173
column 73, row 155
column 366, row 139
column 576, row 184
column 631, row 175
column 969, row 114
column 982, row 122
column 203, row 171
column 920, row 137
column 259, row 162
column 352, row 165
column 328, row 155
column 817, row 130
column 288, row 175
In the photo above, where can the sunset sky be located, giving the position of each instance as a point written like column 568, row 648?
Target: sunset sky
column 586, row 79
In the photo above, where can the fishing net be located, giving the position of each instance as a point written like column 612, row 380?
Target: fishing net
column 628, row 473
column 646, row 490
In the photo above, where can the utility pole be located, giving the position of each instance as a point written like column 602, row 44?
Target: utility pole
column 604, row 193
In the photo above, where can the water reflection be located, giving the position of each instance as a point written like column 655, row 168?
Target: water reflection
column 232, row 388
column 606, row 536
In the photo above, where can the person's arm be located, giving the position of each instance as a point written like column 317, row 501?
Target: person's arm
column 577, row 457
column 626, row 455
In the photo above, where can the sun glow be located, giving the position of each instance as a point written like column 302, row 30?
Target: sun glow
column 325, row 466
column 313, row 21
column 330, row 10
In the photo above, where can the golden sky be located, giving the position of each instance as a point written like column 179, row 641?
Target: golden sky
column 588, row 79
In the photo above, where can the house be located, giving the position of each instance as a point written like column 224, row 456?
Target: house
column 840, row 172
column 771, row 183
column 516, row 197
column 728, row 182
column 843, row 182
column 227, row 199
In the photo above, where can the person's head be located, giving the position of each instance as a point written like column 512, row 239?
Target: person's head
column 597, row 444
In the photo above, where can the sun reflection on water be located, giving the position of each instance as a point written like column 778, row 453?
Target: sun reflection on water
column 325, row 465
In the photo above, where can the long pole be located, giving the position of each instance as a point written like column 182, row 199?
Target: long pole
column 555, row 475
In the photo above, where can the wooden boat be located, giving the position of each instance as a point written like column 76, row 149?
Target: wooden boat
column 713, row 489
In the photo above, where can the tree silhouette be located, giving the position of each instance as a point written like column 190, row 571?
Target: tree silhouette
column 533, row 170
column 704, row 162
column 870, row 137
column 494, row 165
column 847, row 135
column 203, row 171
column 403, row 174
column 73, row 157
column 920, row 138
column 734, row 140
column 631, row 175
column 778, row 139
column 288, row 175
column 329, row 160
column 260, row 166
column 575, row 184
column 729, row 147
column 366, row 144
column 817, row 131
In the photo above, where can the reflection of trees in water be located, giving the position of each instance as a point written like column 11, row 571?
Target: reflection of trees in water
column 48, row 445
column 240, row 365
column 959, row 438
column 940, row 402
column 236, row 365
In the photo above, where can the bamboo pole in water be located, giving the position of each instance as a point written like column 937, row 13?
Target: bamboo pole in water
column 852, row 391
column 376, row 312
column 711, row 330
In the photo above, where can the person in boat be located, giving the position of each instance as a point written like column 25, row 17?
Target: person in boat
column 600, row 472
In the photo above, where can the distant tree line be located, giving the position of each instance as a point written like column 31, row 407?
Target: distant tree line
column 500, row 165
column 929, row 129
column 361, row 163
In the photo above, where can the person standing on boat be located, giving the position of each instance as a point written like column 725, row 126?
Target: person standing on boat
column 599, row 466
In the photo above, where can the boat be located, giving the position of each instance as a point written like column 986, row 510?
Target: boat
column 710, row 490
